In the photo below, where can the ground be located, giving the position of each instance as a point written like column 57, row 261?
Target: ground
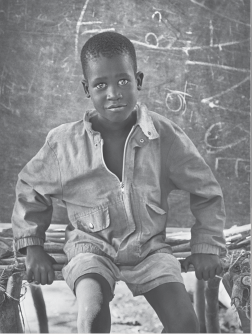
column 129, row 315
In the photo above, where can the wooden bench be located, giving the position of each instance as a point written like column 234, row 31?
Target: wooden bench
column 12, row 273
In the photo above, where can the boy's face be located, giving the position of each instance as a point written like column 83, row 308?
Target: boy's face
column 112, row 85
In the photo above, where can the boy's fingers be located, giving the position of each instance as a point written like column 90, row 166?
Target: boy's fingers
column 186, row 263
column 212, row 273
column 219, row 270
column 37, row 277
column 198, row 274
column 43, row 277
column 183, row 265
column 29, row 274
column 53, row 261
column 51, row 277
column 205, row 275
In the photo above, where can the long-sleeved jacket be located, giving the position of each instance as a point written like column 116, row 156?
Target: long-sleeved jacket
column 125, row 220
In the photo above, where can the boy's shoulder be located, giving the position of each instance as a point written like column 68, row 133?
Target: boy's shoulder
column 65, row 132
column 163, row 124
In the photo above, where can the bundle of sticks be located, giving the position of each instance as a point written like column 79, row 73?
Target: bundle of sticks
column 237, row 237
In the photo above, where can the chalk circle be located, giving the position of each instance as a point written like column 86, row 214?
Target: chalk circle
column 157, row 16
column 151, row 39
column 247, row 169
column 174, row 102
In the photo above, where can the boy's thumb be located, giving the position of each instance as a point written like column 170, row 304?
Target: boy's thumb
column 186, row 263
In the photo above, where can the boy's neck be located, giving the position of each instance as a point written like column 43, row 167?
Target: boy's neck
column 104, row 126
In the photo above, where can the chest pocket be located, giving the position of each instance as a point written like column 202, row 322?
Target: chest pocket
column 94, row 220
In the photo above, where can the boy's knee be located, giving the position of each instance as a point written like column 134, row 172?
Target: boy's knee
column 93, row 305
column 93, row 288
column 185, row 324
column 191, row 321
column 94, row 316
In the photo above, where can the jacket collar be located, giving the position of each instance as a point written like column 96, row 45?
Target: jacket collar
column 144, row 120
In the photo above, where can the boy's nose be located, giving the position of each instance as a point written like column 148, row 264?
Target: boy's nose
column 113, row 94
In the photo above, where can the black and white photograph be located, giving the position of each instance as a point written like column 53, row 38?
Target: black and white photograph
column 125, row 166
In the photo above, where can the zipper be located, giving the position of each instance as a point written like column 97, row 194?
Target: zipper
column 122, row 184
column 124, row 155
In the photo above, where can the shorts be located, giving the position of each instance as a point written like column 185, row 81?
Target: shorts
column 151, row 272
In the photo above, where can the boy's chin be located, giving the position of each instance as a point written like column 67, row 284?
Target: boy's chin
column 116, row 115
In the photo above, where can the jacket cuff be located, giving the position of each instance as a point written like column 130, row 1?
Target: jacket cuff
column 21, row 244
column 205, row 248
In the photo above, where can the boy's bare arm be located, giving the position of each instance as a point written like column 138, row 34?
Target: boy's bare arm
column 206, row 266
column 39, row 266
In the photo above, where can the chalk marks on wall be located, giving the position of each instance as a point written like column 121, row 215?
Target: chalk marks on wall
column 175, row 100
column 221, row 136
column 220, row 139
column 238, row 167
column 210, row 99
column 218, row 13
column 157, row 16
column 224, row 67
column 78, row 25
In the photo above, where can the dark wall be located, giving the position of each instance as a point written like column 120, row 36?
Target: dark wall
column 195, row 57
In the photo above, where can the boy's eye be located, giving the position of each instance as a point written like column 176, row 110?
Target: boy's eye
column 123, row 82
column 100, row 86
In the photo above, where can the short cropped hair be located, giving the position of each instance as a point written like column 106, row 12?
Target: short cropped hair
column 107, row 44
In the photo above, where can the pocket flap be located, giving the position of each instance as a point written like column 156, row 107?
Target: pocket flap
column 94, row 221
column 157, row 209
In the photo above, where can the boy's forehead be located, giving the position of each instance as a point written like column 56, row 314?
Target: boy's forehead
column 116, row 61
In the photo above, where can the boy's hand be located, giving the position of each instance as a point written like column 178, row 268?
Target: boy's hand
column 205, row 265
column 39, row 266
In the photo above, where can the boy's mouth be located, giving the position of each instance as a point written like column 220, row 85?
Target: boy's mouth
column 116, row 106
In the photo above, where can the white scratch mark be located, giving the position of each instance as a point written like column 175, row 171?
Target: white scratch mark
column 211, row 32
column 188, row 47
column 149, row 45
column 79, row 23
column 96, row 31
column 207, row 100
column 219, row 14
column 219, row 45
column 90, row 22
column 224, row 67
column 237, row 111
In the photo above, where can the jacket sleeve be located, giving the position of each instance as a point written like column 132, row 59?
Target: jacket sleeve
column 37, row 183
column 189, row 172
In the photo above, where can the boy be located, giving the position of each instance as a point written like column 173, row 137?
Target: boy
column 114, row 171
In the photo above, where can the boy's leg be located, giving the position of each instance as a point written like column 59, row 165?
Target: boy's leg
column 174, row 308
column 93, row 294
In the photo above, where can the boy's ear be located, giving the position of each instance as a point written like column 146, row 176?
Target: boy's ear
column 139, row 78
column 85, row 86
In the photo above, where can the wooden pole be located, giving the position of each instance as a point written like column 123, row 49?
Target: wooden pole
column 40, row 307
column 199, row 303
column 212, row 305
column 11, row 282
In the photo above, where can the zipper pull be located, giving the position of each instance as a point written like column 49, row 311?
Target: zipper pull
column 122, row 187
